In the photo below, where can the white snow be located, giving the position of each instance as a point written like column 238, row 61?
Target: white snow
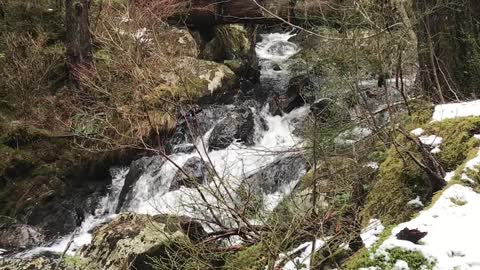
column 370, row 233
column 431, row 140
column 416, row 202
column 452, row 225
column 454, row 110
column 449, row 176
column 373, row 165
column 401, row 265
column 300, row 262
column 417, row 132
column 471, row 165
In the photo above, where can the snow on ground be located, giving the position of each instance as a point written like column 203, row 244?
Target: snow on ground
column 417, row 132
column 471, row 165
column 370, row 233
column 449, row 176
column 416, row 202
column 431, row 140
column 454, row 110
column 452, row 225
column 300, row 262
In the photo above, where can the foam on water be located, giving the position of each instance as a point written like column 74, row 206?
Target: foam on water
column 82, row 235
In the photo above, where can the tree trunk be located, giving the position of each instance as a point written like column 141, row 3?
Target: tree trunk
column 448, row 48
column 78, row 37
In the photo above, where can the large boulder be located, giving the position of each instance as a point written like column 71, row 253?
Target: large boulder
column 283, row 171
column 197, row 171
column 131, row 240
column 146, row 165
column 20, row 236
column 301, row 89
column 233, row 45
column 237, row 125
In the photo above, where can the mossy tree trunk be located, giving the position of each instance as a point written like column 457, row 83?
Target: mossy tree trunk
column 78, row 37
column 448, row 48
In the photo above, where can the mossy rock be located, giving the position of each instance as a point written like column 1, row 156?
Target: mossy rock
column 141, row 241
column 401, row 180
column 251, row 258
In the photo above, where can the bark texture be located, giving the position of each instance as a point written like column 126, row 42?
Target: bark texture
column 448, row 48
column 78, row 37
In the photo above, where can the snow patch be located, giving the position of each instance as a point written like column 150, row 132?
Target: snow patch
column 432, row 140
column 302, row 261
column 452, row 225
column 418, row 131
column 449, row 176
column 454, row 110
column 471, row 165
column 416, row 202
column 370, row 233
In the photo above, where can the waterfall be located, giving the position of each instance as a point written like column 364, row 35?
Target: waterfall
column 151, row 193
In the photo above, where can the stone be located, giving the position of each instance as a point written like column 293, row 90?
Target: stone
column 284, row 170
column 20, row 236
column 131, row 240
column 301, row 90
column 151, row 165
column 197, row 171
column 237, row 125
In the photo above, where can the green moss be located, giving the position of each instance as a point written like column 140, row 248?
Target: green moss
column 251, row 258
column 458, row 139
column 399, row 180
column 367, row 258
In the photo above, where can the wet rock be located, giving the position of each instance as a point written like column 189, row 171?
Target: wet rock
column 284, row 170
column 130, row 240
column 20, row 236
column 234, row 45
column 326, row 110
column 197, row 172
column 150, row 165
column 301, row 90
column 237, row 125
column 276, row 67
column 193, row 124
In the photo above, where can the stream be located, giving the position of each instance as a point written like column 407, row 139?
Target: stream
column 264, row 148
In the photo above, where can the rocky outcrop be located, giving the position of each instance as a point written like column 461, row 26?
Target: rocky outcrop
column 150, row 165
column 283, row 171
column 131, row 240
column 301, row 89
column 234, row 45
column 237, row 125
column 20, row 236
column 197, row 173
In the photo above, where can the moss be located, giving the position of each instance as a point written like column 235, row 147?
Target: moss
column 367, row 257
column 414, row 259
column 458, row 139
column 75, row 262
column 399, row 180
column 251, row 258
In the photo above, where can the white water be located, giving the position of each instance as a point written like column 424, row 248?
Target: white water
column 83, row 235
column 275, row 50
column 232, row 165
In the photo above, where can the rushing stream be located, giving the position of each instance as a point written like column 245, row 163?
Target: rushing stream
column 153, row 191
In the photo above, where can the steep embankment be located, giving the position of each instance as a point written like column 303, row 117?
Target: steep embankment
column 442, row 235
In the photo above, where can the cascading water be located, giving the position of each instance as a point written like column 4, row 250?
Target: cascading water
column 274, row 140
